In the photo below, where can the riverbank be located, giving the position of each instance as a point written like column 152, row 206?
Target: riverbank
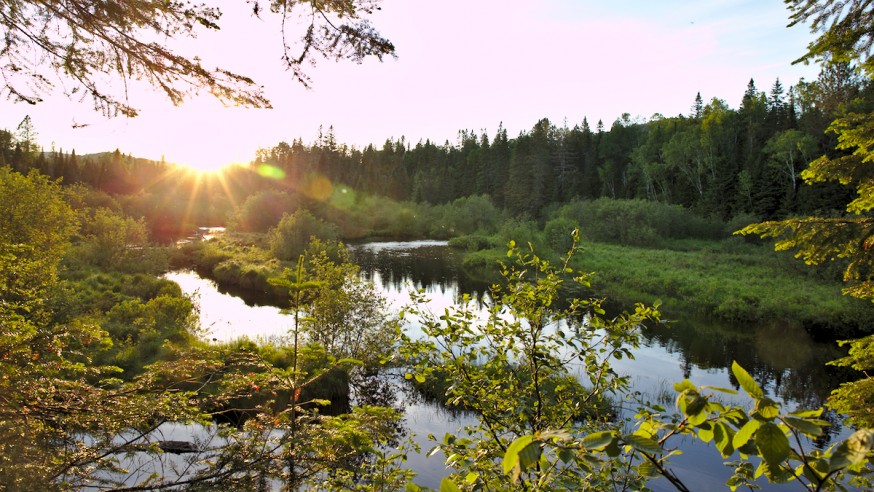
column 730, row 280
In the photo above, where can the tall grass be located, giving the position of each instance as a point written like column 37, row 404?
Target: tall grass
column 716, row 279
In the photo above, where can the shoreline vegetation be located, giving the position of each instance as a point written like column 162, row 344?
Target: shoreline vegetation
column 732, row 279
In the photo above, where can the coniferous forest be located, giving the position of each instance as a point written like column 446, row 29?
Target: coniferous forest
column 716, row 161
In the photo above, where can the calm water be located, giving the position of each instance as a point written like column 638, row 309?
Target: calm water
column 782, row 357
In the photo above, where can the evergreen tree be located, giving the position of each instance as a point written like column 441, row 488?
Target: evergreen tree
column 697, row 108
column 776, row 107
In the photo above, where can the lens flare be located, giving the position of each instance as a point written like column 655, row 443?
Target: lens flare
column 272, row 172
column 318, row 188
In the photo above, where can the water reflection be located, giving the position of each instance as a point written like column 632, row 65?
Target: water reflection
column 429, row 265
column 226, row 317
column 785, row 361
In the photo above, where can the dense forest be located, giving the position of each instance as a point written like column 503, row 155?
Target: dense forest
column 717, row 161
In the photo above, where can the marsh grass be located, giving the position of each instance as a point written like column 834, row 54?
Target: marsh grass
column 724, row 279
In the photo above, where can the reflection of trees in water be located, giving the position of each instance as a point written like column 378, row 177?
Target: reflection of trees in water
column 377, row 389
column 781, row 357
column 432, row 267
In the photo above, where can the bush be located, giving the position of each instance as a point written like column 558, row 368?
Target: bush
column 471, row 214
column 290, row 238
column 264, row 210
column 557, row 234
column 523, row 232
column 638, row 222
column 474, row 242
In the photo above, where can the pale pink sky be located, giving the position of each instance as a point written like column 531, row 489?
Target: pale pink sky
column 463, row 64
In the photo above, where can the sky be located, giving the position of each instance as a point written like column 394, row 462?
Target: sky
column 462, row 64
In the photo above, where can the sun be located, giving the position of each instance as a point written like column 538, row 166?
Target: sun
column 201, row 160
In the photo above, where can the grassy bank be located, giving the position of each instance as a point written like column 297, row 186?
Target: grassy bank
column 727, row 279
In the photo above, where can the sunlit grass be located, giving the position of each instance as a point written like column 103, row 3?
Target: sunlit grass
column 751, row 284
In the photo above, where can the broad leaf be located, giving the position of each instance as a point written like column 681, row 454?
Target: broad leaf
column 643, row 444
column 767, row 408
column 854, row 450
column 745, row 433
column 772, row 444
column 804, row 426
column 597, row 440
column 746, row 381
column 447, row 485
column 511, row 457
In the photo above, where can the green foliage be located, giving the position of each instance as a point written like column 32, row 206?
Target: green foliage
column 781, row 440
column 263, row 210
column 558, row 234
column 35, row 227
column 637, row 222
column 110, row 239
column 290, row 238
column 467, row 215
column 854, row 399
column 473, row 242
column 140, row 331
column 726, row 279
column 512, row 368
column 345, row 315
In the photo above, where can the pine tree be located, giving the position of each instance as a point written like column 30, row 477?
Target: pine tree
column 697, row 108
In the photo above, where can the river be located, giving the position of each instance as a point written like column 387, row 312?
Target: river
column 785, row 361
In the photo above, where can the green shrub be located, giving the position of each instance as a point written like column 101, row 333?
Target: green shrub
column 474, row 242
column 264, row 210
column 522, row 231
column 558, row 234
column 290, row 238
column 637, row 222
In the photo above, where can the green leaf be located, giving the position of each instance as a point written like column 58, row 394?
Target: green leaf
column 705, row 433
column 597, row 440
column 471, row 477
column 806, row 414
column 647, row 469
column 511, row 457
column 804, row 426
column 411, row 487
column 420, row 378
column 746, row 381
column 613, row 449
column 772, row 444
column 447, row 485
column 561, row 435
column 684, row 385
column 721, row 390
column 724, row 438
column 529, row 455
column 745, row 433
column 767, row 409
column 696, row 406
column 643, row 444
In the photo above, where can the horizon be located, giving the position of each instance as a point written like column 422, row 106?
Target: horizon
column 499, row 66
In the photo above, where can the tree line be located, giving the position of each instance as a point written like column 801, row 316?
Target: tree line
column 716, row 160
